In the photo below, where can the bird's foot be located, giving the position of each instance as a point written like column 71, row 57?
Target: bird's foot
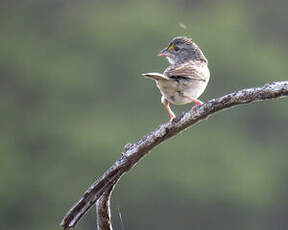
column 172, row 118
column 197, row 103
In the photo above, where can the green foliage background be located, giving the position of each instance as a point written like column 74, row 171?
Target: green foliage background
column 71, row 97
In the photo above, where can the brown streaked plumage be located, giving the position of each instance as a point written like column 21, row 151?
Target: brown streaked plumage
column 187, row 77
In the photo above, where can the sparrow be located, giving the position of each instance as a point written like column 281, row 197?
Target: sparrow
column 187, row 76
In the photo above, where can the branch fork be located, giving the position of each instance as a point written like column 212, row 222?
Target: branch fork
column 100, row 191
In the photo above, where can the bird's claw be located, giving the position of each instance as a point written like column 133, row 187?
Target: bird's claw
column 172, row 119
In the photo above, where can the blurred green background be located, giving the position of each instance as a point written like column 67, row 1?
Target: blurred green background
column 71, row 97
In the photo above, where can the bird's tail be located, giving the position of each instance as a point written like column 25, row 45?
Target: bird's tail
column 155, row 76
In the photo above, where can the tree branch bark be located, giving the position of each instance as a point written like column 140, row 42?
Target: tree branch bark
column 103, row 212
column 134, row 152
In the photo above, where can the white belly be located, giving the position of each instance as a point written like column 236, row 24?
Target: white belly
column 175, row 91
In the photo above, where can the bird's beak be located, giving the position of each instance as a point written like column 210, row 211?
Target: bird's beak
column 163, row 53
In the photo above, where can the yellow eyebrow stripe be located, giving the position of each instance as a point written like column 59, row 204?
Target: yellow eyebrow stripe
column 171, row 47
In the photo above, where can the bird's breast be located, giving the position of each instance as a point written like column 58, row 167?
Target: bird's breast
column 175, row 90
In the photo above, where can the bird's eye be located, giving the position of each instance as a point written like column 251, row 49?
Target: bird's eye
column 176, row 48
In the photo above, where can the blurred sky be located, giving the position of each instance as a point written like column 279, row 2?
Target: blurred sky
column 71, row 97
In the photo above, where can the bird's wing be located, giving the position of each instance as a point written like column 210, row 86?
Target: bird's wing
column 155, row 76
column 188, row 71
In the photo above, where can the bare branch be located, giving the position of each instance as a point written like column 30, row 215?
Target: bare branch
column 134, row 152
column 103, row 210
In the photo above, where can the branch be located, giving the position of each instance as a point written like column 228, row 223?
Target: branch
column 103, row 210
column 134, row 152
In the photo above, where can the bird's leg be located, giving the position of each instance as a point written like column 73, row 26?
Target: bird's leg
column 166, row 103
column 197, row 102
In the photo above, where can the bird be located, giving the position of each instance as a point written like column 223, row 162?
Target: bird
column 186, row 78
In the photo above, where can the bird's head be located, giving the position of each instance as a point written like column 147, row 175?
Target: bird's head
column 181, row 50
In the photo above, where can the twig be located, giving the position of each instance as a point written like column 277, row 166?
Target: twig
column 134, row 152
column 103, row 212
